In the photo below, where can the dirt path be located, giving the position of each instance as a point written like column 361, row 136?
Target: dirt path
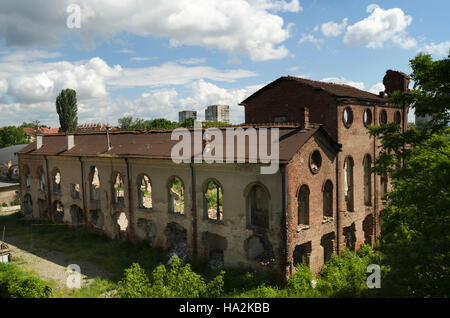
column 51, row 265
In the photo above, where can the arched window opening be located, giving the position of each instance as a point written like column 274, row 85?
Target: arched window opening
column 383, row 117
column 303, row 205
column 56, row 182
column 367, row 180
column 27, row 206
column 397, row 118
column 328, row 201
column 145, row 193
column 58, row 209
column 26, row 176
column 41, row 181
column 94, row 184
column 302, row 254
column 213, row 201
column 119, row 190
column 75, row 191
column 348, row 183
column 176, row 196
column 258, row 205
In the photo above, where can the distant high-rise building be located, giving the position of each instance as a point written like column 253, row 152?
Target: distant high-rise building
column 186, row 114
column 218, row 113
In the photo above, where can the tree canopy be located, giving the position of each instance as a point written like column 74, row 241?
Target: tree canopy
column 11, row 135
column 415, row 232
column 128, row 123
column 66, row 106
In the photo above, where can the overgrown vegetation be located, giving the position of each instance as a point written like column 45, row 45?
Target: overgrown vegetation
column 16, row 283
column 416, row 219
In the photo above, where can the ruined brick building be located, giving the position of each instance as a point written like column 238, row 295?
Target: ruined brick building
column 322, row 199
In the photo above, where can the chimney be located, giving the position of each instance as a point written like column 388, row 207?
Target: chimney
column 108, row 141
column 306, row 116
column 395, row 81
column 70, row 141
column 38, row 142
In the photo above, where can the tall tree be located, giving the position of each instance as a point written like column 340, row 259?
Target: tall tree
column 66, row 106
column 415, row 234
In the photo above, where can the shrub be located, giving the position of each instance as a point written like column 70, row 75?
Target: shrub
column 176, row 282
column 181, row 282
column 135, row 283
column 15, row 283
column 346, row 276
column 300, row 283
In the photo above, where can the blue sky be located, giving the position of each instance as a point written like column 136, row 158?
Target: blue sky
column 151, row 59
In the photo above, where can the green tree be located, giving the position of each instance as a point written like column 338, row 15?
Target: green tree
column 416, row 220
column 66, row 106
column 12, row 135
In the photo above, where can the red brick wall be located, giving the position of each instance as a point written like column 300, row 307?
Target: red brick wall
column 288, row 99
column 299, row 173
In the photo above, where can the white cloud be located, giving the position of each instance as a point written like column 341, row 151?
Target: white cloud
column 381, row 26
column 139, row 59
column 437, row 49
column 192, row 61
column 333, row 28
column 311, row 39
column 32, row 87
column 343, row 80
column 233, row 26
column 377, row 88
column 167, row 102
column 278, row 5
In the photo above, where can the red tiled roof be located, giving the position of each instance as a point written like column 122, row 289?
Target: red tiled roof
column 337, row 90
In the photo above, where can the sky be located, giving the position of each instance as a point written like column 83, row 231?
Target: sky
column 154, row 58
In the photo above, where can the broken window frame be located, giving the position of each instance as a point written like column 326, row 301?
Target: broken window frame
column 327, row 197
column 41, row 180
column 94, row 192
column 315, row 161
column 367, row 177
column 141, row 195
column 118, row 189
column 257, row 218
column 56, row 185
column 219, row 201
column 171, row 198
column 26, row 177
column 73, row 192
column 303, row 206
column 383, row 117
column 349, row 195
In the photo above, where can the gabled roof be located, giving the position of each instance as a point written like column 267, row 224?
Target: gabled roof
column 337, row 90
column 158, row 144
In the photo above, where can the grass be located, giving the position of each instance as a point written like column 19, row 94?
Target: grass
column 80, row 244
column 111, row 255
